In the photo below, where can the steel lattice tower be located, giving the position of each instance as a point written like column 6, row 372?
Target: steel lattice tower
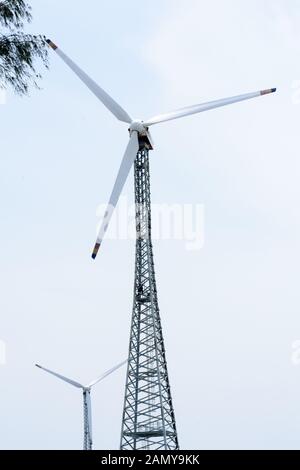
column 87, row 433
column 148, row 416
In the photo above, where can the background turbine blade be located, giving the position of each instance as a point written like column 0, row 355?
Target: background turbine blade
column 110, row 371
column 127, row 162
column 110, row 104
column 61, row 377
column 200, row 108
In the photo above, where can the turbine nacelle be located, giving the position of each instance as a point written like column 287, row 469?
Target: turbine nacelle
column 144, row 136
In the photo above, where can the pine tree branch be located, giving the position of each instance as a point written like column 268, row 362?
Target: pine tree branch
column 18, row 52
column 13, row 13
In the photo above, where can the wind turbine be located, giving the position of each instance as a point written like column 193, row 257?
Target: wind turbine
column 87, row 408
column 139, row 130
column 148, row 414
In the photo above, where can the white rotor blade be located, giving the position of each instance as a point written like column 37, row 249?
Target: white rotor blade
column 110, row 104
column 200, row 108
column 110, row 371
column 61, row 377
column 125, row 167
column 89, row 410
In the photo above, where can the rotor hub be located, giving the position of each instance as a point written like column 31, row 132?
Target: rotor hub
column 139, row 127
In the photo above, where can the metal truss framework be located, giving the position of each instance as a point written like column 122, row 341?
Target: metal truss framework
column 148, row 416
column 87, row 434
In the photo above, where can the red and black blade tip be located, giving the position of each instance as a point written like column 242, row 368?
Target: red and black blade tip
column 96, row 249
column 51, row 44
column 270, row 90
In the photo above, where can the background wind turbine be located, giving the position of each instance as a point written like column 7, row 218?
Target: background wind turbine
column 87, row 407
column 148, row 413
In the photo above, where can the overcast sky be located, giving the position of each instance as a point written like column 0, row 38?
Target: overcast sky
column 230, row 311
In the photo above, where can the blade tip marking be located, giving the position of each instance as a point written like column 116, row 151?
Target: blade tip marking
column 96, row 249
column 51, row 44
column 267, row 92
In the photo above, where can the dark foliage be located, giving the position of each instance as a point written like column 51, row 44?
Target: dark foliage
column 18, row 51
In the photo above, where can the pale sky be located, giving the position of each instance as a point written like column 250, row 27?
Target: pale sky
column 231, row 311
